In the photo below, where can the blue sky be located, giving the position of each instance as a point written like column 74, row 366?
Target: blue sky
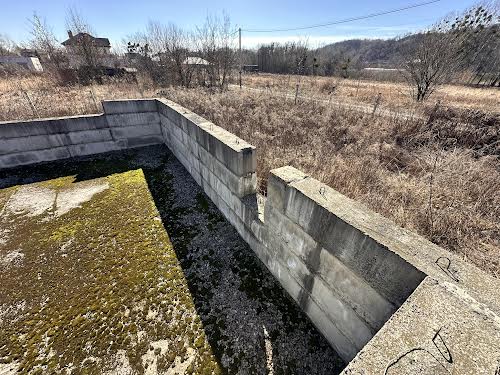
column 117, row 19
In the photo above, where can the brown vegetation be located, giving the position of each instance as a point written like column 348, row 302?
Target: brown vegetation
column 438, row 176
column 23, row 98
column 393, row 95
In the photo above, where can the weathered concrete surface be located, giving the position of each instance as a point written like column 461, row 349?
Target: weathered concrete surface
column 440, row 329
column 124, row 124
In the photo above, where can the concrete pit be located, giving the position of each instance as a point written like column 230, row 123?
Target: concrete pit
column 386, row 300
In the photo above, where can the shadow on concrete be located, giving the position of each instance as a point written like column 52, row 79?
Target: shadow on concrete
column 252, row 325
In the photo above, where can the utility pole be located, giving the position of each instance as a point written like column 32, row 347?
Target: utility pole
column 241, row 67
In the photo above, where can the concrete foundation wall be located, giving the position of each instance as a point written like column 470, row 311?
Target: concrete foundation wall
column 384, row 297
column 345, row 281
column 124, row 124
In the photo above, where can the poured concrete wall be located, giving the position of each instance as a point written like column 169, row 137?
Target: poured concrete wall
column 124, row 124
column 344, row 274
column 384, row 297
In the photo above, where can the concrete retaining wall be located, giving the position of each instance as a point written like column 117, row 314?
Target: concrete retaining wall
column 124, row 124
column 384, row 297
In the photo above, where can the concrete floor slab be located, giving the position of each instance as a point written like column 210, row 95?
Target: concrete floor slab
column 118, row 263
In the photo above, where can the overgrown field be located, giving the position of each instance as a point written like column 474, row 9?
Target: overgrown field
column 437, row 174
column 440, row 178
column 393, row 95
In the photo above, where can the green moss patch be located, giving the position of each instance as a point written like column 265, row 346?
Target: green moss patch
column 101, row 278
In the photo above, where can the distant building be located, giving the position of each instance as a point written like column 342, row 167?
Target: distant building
column 195, row 61
column 27, row 62
column 102, row 44
column 251, row 68
column 102, row 48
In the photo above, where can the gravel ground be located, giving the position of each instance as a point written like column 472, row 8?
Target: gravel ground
column 119, row 264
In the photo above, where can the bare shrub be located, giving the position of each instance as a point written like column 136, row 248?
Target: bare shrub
column 215, row 44
column 44, row 41
column 449, row 47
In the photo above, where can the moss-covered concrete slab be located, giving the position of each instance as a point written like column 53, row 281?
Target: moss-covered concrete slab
column 119, row 264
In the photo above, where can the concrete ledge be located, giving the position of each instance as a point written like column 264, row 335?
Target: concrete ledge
column 19, row 129
column 438, row 330
column 233, row 152
column 129, row 106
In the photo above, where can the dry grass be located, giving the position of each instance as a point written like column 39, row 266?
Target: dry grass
column 440, row 178
column 394, row 95
column 51, row 99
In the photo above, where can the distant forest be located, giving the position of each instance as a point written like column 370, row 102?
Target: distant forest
column 348, row 58
column 278, row 58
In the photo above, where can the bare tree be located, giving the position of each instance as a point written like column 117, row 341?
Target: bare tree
column 447, row 48
column 172, row 44
column 480, row 29
column 162, row 52
column 215, row 44
column 44, row 41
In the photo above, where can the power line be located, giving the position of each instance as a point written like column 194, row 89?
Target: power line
column 343, row 20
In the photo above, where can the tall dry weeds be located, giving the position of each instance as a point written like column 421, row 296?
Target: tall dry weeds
column 50, row 99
